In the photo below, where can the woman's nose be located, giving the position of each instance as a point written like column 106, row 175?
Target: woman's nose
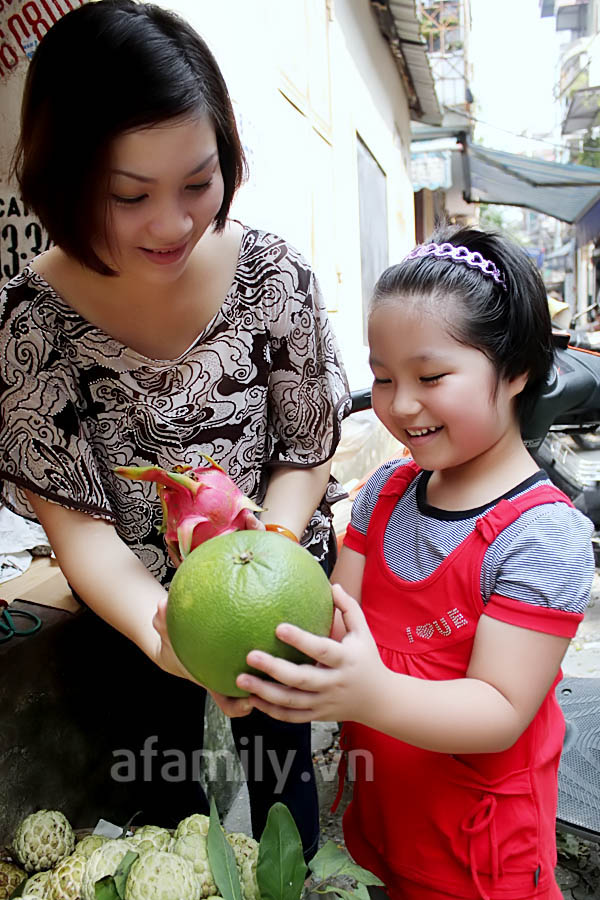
column 171, row 222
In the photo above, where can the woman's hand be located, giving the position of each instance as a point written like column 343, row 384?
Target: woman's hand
column 250, row 523
column 166, row 657
column 343, row 685
column 167, row 660
column 233, row 707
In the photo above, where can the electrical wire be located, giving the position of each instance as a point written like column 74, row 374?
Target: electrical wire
column 472, row 118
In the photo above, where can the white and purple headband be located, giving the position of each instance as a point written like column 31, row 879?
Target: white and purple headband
column 460, row 255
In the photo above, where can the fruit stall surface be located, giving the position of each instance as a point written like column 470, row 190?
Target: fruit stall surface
column 53, row 725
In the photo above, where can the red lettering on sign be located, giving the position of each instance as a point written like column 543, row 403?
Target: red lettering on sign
column 8, row 57
column 29, row 25
column 15, row 23
column 49, row 11
column 33, row 17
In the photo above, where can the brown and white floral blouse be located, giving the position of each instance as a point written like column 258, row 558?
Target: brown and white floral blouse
column 262, row 385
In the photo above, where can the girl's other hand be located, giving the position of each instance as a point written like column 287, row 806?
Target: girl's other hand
column 345, row 683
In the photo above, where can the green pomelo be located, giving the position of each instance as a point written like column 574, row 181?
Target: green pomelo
column 229, row 595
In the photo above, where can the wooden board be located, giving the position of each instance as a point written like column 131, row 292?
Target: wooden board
column 42, row 583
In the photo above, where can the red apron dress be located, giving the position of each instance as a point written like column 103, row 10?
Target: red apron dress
column 435, row 825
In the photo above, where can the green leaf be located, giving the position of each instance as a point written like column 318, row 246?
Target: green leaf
column 18, row 891
column 331, row 861
column 105, row 889
column 281, row 870
column 361, row 892
column 122, row 872
column 222, row 858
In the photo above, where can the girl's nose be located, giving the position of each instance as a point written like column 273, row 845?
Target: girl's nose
column 404, row 403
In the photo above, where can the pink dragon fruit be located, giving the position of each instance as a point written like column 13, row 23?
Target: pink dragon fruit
column 197, row 503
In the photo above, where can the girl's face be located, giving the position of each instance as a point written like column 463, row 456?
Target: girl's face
column 434, row 394
column 165, row 189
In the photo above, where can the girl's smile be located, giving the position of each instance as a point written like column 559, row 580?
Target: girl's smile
column 437, row 396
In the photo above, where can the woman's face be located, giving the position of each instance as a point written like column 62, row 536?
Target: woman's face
column 165, row 188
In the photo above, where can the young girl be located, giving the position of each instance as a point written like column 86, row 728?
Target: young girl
column 156, row 329
column 473, row 571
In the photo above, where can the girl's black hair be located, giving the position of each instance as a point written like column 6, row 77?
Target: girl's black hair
column 512, row 327
column 103, row 69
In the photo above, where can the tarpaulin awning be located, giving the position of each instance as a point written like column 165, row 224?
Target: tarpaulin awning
column 583, row 110
column 568, row 192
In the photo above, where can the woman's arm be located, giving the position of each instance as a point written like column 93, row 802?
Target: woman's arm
column 293, row 494
column 108, row 576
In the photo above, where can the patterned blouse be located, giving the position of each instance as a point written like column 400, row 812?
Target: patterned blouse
column 261, row 386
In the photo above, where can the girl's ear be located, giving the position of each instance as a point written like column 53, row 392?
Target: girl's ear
column 517, row 384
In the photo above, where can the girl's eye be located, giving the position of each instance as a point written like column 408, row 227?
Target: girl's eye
column 128, row 201
column 199, row 187
column 431, row 379
column 382, row 380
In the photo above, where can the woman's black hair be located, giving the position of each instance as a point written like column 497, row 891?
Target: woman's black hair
column 510, row 325
column 106, row 68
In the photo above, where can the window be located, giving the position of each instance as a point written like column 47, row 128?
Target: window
column 372, row 211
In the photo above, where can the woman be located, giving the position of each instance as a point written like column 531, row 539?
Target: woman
column 154, row 330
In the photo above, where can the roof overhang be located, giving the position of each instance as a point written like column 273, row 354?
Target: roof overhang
column 399, row 24
column 583, row 110
column 566, row 192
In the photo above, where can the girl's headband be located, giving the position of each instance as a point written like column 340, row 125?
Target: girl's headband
column 460, row 255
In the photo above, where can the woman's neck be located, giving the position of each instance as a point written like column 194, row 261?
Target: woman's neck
column 158, row 320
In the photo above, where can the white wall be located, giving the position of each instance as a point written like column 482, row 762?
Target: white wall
column 301, row 138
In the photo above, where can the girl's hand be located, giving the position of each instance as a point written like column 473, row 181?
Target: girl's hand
column 344, row 685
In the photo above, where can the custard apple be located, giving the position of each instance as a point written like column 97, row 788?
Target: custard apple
column 103, row 861
column 11, row 877
column 89, row 843
column 195, row 824
column 151, row 837
column 37, row 885
column 66, row 878
column 160, row 875
column 42, row 839
column 193, row 847
column 245, row 850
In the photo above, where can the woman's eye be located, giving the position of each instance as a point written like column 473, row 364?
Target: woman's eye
column 128, row 201
column 431, row 379
column 199, row 187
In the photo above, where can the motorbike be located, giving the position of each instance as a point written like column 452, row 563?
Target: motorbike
column 563, row 435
